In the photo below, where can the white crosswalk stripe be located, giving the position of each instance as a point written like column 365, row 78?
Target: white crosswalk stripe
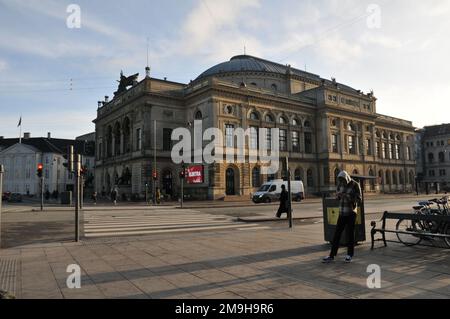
column 167, row 220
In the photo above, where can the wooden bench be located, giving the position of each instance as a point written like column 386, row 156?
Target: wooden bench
column 401, row 216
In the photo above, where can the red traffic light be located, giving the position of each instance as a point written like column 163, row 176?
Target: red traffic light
column 155, row 175
column 40, row 166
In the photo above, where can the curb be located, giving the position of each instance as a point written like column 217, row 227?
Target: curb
column 274, row 219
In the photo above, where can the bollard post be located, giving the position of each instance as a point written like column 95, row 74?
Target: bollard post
column 77, row 197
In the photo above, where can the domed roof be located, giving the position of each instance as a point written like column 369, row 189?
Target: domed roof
column 248, row 63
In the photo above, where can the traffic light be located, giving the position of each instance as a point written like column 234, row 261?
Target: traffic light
column 155, row 175
column 39, row 169
column 69, row 157
column 183, row 171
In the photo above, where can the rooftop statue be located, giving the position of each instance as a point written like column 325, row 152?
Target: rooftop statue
column 126, row 82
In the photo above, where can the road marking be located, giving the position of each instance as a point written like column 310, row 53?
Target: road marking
column 160, row 231
column 168, row 221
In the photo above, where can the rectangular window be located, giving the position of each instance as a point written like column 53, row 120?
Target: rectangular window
column 408, row 153
column 431, row 173
column 334, row 143
column 351, row 145
column 283, row 140
column 390, row 152
column 229, row 135
column 369, row 146
column 384, row 151
column 377, row 149
column 138, row 139
column 167, row 139
column 254, row 137
column 269, row 139
column 397, row 151
column 99, row 154
column 308, row 143
column 295, row 141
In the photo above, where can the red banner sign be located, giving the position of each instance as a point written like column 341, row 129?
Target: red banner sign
column 194, row 174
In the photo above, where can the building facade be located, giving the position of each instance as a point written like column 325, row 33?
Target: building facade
column 21, row 158
column 433, row 158
column 324, row 127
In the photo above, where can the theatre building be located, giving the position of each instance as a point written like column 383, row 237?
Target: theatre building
column 324, row 127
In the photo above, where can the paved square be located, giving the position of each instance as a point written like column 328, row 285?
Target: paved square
column 274, row 262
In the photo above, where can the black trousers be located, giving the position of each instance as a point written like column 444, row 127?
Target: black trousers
column 343, row 223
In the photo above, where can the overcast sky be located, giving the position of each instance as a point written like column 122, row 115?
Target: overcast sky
column 402, row 53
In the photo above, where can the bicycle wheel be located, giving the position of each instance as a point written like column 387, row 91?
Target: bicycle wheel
column 447, row 232
column 406, row 225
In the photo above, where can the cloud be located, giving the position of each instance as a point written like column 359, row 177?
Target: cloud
column 3, row 65
column 381, row 40
column 336, row 49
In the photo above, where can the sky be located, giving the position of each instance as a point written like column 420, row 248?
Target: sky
column 53, row 75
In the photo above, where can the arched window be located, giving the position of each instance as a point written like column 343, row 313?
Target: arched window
column 282, row 120
column 355, row 172
column 394, row 178
column 309, row 178
column 254, row 116
column 411, row 178
column 269, row 118
column 298, row 174
column 274, row 87
column 307, row 123
column 295, row 122
column 351, row 127
column 381, row 177
column 372, row 181
column 401, row 178
column 198, row 115
column 253, row 84
column 256, row 177
column 388, row 177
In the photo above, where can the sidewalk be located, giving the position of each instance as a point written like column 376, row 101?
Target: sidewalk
column 275, row 263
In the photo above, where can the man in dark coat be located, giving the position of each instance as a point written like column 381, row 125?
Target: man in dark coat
column 284, row 205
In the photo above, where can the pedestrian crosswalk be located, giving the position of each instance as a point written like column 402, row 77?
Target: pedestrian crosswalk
column 167, row 220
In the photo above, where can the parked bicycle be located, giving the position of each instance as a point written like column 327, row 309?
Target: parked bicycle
column 412, row 232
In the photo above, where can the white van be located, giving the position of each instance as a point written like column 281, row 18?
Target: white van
column 270, row 191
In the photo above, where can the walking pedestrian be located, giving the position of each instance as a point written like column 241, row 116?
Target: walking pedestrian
column 114, row 195
column 158, row 195
column 284, row 205
column 94, row 198
column 349, row 195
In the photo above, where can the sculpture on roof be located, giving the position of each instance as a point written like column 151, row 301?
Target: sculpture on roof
column 125, row 82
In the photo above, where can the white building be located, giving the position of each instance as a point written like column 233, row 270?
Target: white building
column 21, row 159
